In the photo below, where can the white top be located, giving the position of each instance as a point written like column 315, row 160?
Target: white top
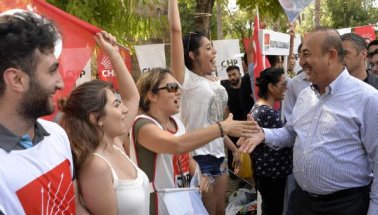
column 39, row 178
column 133, row 196
column 202, row 104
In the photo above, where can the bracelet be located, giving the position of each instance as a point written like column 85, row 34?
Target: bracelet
column 221, row 129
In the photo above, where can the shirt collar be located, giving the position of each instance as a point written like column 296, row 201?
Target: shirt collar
column 9, row 140
column 334, row 86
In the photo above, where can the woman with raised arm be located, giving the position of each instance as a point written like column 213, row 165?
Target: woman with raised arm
column 203, row 103
column 97, row 121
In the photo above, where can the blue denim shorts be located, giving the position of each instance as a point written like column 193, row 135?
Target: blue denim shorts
column 210, row 165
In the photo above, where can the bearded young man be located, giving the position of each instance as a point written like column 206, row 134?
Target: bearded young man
column 35, row 155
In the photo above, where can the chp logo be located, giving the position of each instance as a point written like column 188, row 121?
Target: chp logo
column 229, row 62
column 266, row 41
column 107, row 70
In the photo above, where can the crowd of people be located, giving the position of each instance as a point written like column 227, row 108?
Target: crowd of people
column 114, row 151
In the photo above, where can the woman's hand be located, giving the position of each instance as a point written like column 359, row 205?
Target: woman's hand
column 240, row 128
column 107, row 42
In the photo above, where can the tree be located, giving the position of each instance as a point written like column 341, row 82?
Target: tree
column 203, row 15
column 351, row 13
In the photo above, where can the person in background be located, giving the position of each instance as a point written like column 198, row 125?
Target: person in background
column 374, row 62
column 293, row 89
column 233, row 88
column 159, row 141
column 334, row 134
column 355, row 53
column 97, row 121
column 271, row 167
column 371, row 47
column 246, row 93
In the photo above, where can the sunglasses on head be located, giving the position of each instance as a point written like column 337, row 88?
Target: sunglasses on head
column 170, row 87
column 188, row 43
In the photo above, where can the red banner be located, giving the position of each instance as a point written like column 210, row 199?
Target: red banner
column 105, row 68
column 367, row 32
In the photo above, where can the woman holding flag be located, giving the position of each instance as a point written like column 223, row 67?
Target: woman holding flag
column 97, row 121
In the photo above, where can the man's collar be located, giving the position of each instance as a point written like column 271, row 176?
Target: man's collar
column 334, row 86
column 9, row 140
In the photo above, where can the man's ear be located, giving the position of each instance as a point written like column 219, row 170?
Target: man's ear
column 363, row 54
column 333, row 56
column 16, row 80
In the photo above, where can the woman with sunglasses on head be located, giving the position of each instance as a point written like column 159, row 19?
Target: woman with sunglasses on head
column 271, row 167
column 159, row 141
column 97, row 122
column 203, row 103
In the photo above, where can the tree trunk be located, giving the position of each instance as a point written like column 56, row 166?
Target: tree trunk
column 203, row 16
column 219, row 21
column 317, row 13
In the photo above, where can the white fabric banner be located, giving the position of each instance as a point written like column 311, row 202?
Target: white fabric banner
column 150, row 56
column 293, row 8
column 228, row 54
column 274, row 43
column 344, row 30
column 185, row 201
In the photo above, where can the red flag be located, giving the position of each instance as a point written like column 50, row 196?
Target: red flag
column 77, row 40
column 367, row 32
column 105, row 68
column 259, row 65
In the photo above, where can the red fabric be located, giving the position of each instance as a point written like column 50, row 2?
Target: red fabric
column 367, row 32
column 105, row 68
column 78, row 44
column 77, row 36
column 259, row 66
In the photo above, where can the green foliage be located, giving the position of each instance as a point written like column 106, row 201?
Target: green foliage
column 269, row 10
column 131, row 21
column 351, row 13
column 341, row 14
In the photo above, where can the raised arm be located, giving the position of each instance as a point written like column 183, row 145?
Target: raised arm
column 177, row 49
column 150, row 134
column 127, row 88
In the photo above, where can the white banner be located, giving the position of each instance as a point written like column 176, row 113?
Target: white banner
column 274, row 43
column 344, row 30
column 186, row 201
column 150, row 56
column 228, row 54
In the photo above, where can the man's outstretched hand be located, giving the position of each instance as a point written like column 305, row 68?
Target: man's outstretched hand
column 248, row 144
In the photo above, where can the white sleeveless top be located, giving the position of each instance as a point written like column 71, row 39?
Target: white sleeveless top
column 133, row 196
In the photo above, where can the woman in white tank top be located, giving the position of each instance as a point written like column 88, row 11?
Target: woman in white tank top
column 97, row 122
